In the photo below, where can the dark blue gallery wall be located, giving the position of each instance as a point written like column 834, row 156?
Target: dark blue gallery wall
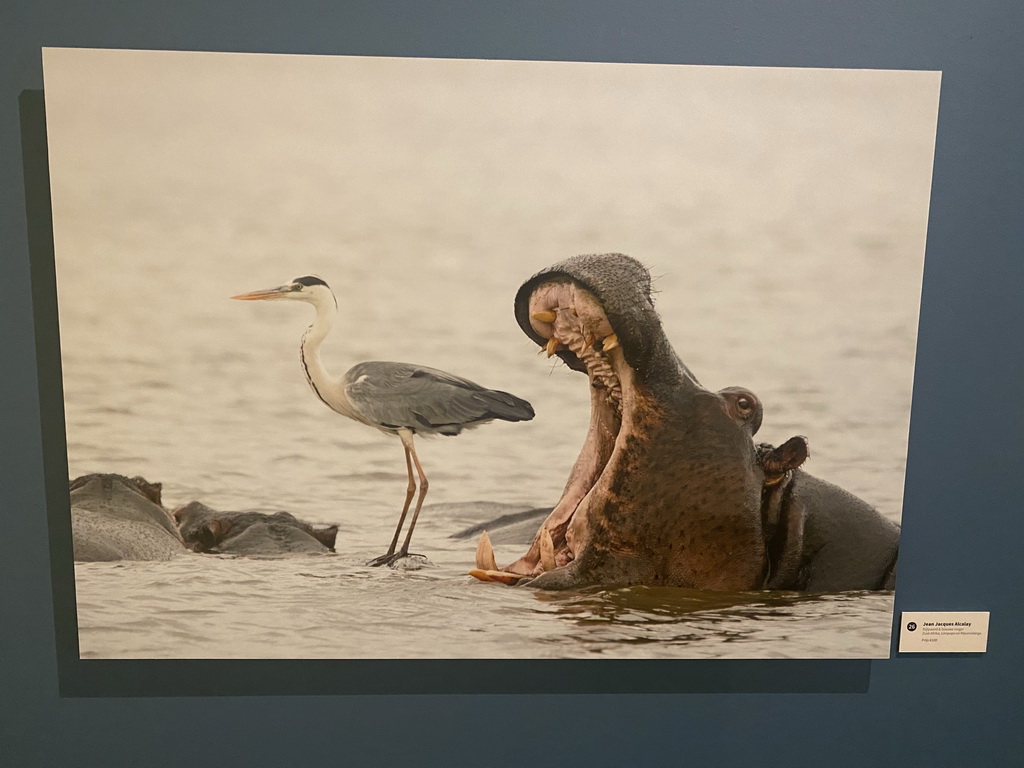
column 965, row 477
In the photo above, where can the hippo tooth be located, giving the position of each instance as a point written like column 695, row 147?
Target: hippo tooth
column 485, row 554
column 553, row 344
column 547, row 550
column 611, row 341
column 500, row 576
column 547, row 316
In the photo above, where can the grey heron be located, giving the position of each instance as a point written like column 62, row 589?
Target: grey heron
column 396, row 398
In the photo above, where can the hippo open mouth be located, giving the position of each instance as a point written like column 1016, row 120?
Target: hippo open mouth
column 567, row 319
column 596, row 314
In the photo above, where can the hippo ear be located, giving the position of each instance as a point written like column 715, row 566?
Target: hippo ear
column 150, row 490
column 326, row 536
column 790, row 455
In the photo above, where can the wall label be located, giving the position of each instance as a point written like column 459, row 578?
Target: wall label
column 944, row 631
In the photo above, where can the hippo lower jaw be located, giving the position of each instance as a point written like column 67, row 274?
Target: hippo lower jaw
column 572, row 321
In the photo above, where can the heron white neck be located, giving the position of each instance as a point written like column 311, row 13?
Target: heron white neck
column 322, row 324
column 309, row 351
column 324, row 386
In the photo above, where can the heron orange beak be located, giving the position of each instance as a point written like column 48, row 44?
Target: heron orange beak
column 269, row 293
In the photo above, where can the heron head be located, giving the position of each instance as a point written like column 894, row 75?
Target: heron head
column 308, row 288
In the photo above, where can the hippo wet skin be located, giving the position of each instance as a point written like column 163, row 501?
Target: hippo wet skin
column 120, row 518
column 670, row 488
column 250, row 533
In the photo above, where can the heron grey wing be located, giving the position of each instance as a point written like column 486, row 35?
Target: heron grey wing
column 478, row 404
column 401, row 395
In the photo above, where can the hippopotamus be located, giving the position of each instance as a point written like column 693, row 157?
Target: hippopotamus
column 670, row 488
column 119, row 518
column 820, row 537
column 250, row 533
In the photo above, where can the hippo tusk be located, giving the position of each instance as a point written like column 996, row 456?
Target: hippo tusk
column 547, row 550
column 503, row 577
column 485, row 554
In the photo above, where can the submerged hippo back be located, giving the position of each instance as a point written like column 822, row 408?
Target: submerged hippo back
column 848, row 544
column 115, row 518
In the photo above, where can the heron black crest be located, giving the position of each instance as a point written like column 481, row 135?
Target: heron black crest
column 310, row 280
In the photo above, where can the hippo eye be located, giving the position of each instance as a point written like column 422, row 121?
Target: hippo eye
column 744, row 404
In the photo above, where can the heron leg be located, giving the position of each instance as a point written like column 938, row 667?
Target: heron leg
column 424, row 485
column 410, row 490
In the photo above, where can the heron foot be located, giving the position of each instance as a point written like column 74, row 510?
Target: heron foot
column 409, row 561
column 383, row 560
